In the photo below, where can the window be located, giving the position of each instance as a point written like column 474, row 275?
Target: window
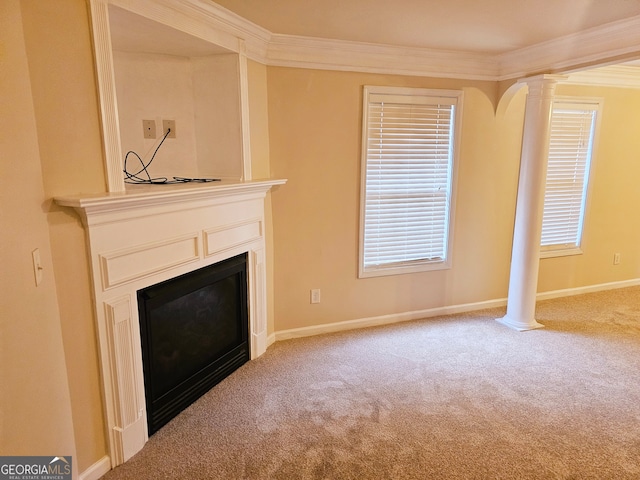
column 573, row 129
column 408, row 151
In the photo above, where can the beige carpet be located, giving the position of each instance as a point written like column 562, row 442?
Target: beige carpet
column 458, row 397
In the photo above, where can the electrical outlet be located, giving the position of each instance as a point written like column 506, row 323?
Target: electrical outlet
column 315, row 295
column 169, row 124
column 149, row 128
column 616, row 259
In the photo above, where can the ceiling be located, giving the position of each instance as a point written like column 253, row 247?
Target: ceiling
column 479, row 26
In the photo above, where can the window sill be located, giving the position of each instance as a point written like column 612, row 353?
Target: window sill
column 561, row 252
column 402, row 269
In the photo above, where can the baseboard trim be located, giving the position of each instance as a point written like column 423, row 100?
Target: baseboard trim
column 97, row 470
column 271, row 339
column 435, row 312
column 568, row 292
column 386, row 319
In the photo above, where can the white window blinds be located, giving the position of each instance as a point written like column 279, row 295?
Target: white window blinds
column 571, row 140
column 408, row 146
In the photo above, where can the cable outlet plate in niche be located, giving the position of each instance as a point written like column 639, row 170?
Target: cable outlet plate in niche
column 169, row 124
column 149, row 128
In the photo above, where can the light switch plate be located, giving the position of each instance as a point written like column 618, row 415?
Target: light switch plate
column 37, row 266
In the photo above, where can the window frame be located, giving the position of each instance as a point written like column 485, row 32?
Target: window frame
column 449, row 96
column 567, row 102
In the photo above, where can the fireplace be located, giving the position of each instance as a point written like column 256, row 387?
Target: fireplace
column 194, row 333
column 142, row 238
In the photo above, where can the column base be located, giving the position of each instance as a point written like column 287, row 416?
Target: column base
column 519, row 325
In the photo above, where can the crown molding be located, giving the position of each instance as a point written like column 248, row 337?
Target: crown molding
column 621, row 76
column 326, row 54
column 205, row 19
column 255, row 37
column 598, row 45
column 590, row 47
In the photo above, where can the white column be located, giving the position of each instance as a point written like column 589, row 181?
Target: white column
column 525, row 255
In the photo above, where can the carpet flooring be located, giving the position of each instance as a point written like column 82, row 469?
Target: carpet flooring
column 455, row 397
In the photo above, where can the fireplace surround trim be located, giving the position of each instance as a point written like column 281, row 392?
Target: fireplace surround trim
column 145, row 236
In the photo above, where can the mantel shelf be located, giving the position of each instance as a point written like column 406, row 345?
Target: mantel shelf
column 162, row 196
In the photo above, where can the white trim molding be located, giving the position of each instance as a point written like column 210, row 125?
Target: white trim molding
column 386, row 319
column 596, row 46
column 107, row 93
column 621, row 76
column 600, row 287
column 436, row 312
column 325, row 54
column 97, row 470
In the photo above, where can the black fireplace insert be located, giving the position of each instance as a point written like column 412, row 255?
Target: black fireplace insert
column 194, row 331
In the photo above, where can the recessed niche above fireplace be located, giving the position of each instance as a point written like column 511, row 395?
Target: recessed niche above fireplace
column 166, row 60
column 162, row 73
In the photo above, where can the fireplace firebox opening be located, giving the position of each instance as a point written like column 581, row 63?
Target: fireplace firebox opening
column 194, row 333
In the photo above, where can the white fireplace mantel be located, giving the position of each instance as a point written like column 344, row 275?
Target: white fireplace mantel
column 104, row 207
column 150, row 234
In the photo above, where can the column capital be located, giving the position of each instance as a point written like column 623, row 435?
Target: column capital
column 543, row 78
column 542, row 85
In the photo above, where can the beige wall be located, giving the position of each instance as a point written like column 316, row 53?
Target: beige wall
column 35, row 404
column 314, row 122
column 66, row 113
